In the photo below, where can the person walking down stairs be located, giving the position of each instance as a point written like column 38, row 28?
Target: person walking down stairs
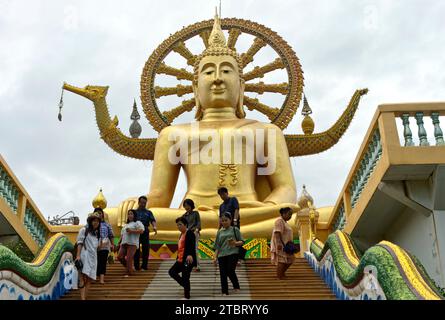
column 186, row 258
column 86, row 253
column 194, row 224
column 227, row 243
column 105, row 246
column 130, row 241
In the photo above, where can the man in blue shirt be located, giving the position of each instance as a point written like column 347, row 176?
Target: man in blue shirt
column 146, row 217
column 230, row 204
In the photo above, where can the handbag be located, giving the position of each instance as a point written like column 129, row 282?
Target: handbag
column 290, row 247
column 241, row 251
column 79, row 265
column 75, row 279
column 110, row 258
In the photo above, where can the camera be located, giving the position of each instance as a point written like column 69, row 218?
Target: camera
column 78, row 264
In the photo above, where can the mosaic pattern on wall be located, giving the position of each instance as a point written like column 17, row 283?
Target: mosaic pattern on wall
column 256, row 249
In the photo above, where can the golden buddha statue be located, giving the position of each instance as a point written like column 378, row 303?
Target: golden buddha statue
column 262, row 185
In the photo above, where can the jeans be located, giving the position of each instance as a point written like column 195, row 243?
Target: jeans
column 227, row 266
column 183, row 281
column 102, row 257
column 144, row 241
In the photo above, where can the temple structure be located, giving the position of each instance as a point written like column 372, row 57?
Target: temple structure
column 366, row 246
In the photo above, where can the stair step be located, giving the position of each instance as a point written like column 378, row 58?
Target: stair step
column 257, row 280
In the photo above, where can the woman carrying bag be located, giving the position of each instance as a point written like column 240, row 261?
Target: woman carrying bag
column 86, row 255
column 227, row 250
column 281, row 246
column 105, row 246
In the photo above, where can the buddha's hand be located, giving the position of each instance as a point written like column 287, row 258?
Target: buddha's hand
column 205, row 208
column 258, row 204
column 124, row 206
column 295, row 207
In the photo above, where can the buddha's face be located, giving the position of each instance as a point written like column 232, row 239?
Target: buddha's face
column 219, row 84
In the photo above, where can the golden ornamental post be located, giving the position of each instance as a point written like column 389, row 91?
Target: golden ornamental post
column 306, row 221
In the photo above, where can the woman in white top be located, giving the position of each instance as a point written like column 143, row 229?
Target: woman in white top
column 130, row 241
column 87, row 243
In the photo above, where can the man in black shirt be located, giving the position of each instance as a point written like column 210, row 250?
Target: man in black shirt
column 146, row 217
column 230, row 204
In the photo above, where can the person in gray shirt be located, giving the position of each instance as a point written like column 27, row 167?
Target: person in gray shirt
column 193, row 223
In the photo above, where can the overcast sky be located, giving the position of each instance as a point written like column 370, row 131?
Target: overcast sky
column 394, row 48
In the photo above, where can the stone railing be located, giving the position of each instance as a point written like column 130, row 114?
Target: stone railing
column 389, row 141
column 35, row 226
column 48, row 277
column 384, row 271
column 422, row 133
column 367, row 165
column 20, row 210
column 8, row 190
column 340, row 220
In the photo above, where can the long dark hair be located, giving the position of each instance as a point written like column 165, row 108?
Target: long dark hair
column 135, row 217
column 90, row 229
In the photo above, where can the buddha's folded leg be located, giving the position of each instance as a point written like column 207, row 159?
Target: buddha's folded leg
column 166, row 225
column 263, row 229
column 171, row 235
column 256, row 215
column 257, row 222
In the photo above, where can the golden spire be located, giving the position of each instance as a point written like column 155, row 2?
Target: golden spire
column 217, row 38
column 99, row 201
column 305, row 200
column 217, row 47
column 307, row 124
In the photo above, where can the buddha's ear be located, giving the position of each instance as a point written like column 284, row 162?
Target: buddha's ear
column 240, row 110
column 199, row 114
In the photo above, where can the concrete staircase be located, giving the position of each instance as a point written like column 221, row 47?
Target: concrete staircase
column 257, row 280
column 301, row 282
